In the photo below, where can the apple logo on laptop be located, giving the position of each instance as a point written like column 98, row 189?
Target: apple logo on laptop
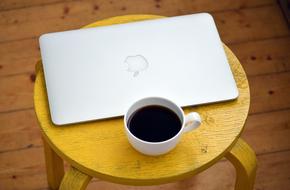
column 136, row 64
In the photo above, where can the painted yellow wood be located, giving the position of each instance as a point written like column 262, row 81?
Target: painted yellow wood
column 54, row 167
column 245, row 162
column 100, row 148
column 75, row 180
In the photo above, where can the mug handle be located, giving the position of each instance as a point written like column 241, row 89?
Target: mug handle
column 192, row 121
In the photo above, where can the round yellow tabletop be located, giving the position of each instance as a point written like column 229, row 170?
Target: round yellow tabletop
column 101, row 149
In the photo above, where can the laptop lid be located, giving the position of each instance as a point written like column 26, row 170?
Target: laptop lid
column 98, row 73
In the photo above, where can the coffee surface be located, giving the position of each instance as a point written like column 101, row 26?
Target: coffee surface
column 154, row 123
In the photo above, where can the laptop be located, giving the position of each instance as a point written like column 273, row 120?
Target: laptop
column 97, row 73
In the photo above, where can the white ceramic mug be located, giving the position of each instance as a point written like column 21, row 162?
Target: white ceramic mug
column 189, row 122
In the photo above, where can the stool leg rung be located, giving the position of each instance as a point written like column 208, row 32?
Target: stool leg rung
column 74, row 180
column 244, row 160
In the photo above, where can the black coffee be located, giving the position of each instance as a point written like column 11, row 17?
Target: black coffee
column 154, row 123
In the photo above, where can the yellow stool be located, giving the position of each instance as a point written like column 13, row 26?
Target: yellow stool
column 100, row 148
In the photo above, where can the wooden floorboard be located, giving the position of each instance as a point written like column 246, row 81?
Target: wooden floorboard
column 204, row 5
column 264, row 56
column 254, row 29
column 238, row 25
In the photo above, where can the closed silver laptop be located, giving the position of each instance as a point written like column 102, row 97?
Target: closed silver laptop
column 98, row 73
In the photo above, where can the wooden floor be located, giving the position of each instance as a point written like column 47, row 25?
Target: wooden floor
column 254, row 29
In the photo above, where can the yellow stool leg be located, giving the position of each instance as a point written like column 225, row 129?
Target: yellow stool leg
column 74, row 180
column 244, row 160
column 54, row 167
